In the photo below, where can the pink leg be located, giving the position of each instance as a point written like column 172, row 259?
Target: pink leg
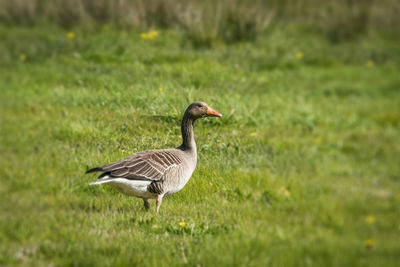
column 158, row 202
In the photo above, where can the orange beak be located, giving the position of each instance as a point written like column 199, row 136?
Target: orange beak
column 213, row 113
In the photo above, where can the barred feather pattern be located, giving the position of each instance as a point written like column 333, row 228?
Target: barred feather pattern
column 146, row 165
column 165, row 168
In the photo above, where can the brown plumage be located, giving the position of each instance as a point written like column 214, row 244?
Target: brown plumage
column 157, row 173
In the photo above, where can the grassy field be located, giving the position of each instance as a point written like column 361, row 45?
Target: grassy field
column 301, row 170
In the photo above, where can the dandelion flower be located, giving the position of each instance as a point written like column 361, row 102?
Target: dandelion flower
column 369, row 243
column 369, row 63
column 149, row 35
column 22, row 57
column 285, row 192
column 370, row 219
column 299, row 55
column 253, row 134
column 182, row 224
column 155, row 226
column 180, row 136
column 152, row 35
column 317, row 140
column 70, row 35
column 160, row 90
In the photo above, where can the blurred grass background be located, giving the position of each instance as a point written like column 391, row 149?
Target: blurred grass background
column 205, row 21
column 302, row 170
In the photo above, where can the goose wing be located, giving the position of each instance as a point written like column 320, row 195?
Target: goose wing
column 147, row 165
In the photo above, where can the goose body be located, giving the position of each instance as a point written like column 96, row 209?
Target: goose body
column 153, row 174
column 150, row 173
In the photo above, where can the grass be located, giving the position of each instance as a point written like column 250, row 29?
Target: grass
column 206, row 22
column 307, row 148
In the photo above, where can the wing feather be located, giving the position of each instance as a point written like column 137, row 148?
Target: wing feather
column 147, row 165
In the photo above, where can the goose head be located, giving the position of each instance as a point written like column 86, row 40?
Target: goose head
column 198, row 110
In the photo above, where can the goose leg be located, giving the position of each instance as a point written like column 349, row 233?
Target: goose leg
column 158, row 202
column 146, row 204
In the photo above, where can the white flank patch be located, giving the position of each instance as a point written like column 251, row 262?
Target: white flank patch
column 136, row 188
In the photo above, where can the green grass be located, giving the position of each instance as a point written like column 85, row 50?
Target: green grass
column 327, row 132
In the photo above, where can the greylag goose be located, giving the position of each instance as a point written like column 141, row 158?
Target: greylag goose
column 154, row 174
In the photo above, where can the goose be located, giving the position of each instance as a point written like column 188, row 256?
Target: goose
column 154, row 174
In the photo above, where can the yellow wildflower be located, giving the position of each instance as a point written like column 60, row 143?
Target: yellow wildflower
column 317, row 140
column 370, row 219
column 253, row 134
column 149, row 35
column 369, row 63
column 180, row 136
column 285, row 192
column 369, row 243
column 70, row 35
column 155, row 226
column 22, row 57
column 152, row 35
column 182, row 224
column 160, row 90
column 299, row 55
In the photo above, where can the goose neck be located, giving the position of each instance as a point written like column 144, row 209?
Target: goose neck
column 188, row 142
